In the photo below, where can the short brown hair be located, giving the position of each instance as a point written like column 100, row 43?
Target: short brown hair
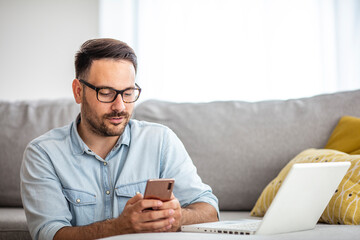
column 102, row 48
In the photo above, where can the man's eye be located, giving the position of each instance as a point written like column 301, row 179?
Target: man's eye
column 129, row 93
column 106, row 92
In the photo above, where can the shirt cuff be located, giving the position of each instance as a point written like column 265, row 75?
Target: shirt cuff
column 48, row 232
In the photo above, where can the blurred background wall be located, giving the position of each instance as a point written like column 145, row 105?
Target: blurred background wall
column 38, row 41
column 188, row 50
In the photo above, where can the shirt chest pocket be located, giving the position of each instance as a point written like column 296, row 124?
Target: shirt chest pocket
column 125, row 192
column 82, row 206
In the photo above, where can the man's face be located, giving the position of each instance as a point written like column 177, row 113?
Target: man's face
column 107, row 119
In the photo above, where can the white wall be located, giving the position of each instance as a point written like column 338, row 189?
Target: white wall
column 253, row 49
column 38, row 41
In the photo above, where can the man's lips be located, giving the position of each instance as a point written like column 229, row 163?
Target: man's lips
column 116, row 120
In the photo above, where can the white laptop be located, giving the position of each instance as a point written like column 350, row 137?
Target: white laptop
column 298, row 205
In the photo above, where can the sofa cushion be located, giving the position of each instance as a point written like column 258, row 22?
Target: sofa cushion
column 13, row 224
column 346, row 136
column 21, row 122
column 239, row 147
column 344, row 206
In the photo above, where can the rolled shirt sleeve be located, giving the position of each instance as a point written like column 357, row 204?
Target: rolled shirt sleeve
column 44, row 203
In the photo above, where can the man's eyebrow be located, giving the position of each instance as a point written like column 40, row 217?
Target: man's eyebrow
column 103, row 86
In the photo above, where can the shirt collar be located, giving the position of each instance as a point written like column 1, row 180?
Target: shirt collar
column 78, row 145
column 125, row 137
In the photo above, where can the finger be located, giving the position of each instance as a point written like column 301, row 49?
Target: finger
column 135, row 199
column 172, row 196
column 173, row 204
column 147, row 203
column 163, row 225
column 156, row 215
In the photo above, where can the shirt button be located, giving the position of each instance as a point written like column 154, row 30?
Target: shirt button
column 78, row 200
column 107, row 192
column 116, row 145
column 105, row 163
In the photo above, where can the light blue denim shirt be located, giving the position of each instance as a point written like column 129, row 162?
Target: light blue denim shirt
column 64, row 183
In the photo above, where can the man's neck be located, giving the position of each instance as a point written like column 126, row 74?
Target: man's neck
column 100, row 145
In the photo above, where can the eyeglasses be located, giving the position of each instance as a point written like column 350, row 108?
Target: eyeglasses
column 108, row 94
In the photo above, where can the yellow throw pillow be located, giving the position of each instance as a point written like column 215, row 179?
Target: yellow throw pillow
column 344, row 206
column 346, row 136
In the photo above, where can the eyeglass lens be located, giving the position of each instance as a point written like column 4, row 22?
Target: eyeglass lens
column 108, row 95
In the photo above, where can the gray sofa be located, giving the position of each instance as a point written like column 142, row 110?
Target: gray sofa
column 238, row 148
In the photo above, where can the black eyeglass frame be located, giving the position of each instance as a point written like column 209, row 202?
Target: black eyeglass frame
column 121, row 92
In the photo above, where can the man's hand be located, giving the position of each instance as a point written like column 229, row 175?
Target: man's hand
column 165, row 216
column 173, row 204
column 136, row 217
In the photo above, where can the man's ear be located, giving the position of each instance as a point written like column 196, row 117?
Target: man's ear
column 77, row 91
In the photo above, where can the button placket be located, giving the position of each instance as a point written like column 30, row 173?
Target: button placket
column 107, row 189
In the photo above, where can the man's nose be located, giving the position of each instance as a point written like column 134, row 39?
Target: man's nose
column 118, row 103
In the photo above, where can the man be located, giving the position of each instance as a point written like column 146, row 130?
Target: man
column 84, row 180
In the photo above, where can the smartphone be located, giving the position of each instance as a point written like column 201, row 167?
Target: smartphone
column 160, row 189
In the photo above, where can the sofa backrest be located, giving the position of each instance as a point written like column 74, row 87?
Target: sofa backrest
column 239, row 147
column 21, row 122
